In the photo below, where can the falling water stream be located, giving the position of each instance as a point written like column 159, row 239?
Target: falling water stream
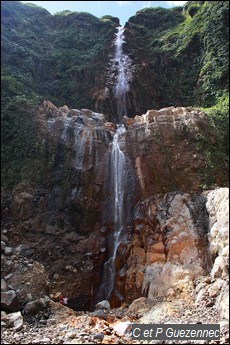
column 121, row 64
column 121, row 75
column 122, row 67
column 118, row 182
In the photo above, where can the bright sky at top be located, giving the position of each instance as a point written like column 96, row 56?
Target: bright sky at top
column 121, row 9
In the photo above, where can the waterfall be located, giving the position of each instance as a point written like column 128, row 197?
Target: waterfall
column 118, row 182
column 122, row 74
column 117, row 210
column 120, row 78
column 118, row 179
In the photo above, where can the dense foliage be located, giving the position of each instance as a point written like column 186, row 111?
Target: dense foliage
column 57, row 57
column 22, row 151
column 184, row 51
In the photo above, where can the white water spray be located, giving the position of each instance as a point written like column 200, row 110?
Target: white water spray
column 118, row 181
column 117, row 191
column 122, row 67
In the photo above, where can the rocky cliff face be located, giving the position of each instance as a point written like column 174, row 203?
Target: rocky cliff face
column 170, row 242
column 184, row 276
column 103, row 210
column 164, row 148
column 65, row 222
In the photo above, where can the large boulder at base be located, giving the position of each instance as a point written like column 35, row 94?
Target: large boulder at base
column 103, row 305
column 33, row 308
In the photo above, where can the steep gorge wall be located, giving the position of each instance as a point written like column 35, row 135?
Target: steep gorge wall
column 68, row 215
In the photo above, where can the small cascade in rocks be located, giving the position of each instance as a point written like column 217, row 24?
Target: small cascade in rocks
column 83, row 145
column 66, row 122
column 82, row 138
column 121, row 74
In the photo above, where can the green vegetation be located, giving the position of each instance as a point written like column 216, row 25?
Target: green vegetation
column 185, row 53
column 60, row 57
column 217, row 154
column 22, row 151
column 63, row 13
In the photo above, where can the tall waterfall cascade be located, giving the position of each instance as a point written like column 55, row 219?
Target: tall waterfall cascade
column 118, row 186
column 75, row 131
column 121, row 74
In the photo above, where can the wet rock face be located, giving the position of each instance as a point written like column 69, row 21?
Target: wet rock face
column 77, row 144
column 66, row 221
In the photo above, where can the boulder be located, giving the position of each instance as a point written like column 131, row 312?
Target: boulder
column 4, row 286
column 15, row 320
column 220, row 267
column 122, row 328
column 24, row 250
column 33, row 308
column 100, row 314
column 103, row 305
column 9, row 301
